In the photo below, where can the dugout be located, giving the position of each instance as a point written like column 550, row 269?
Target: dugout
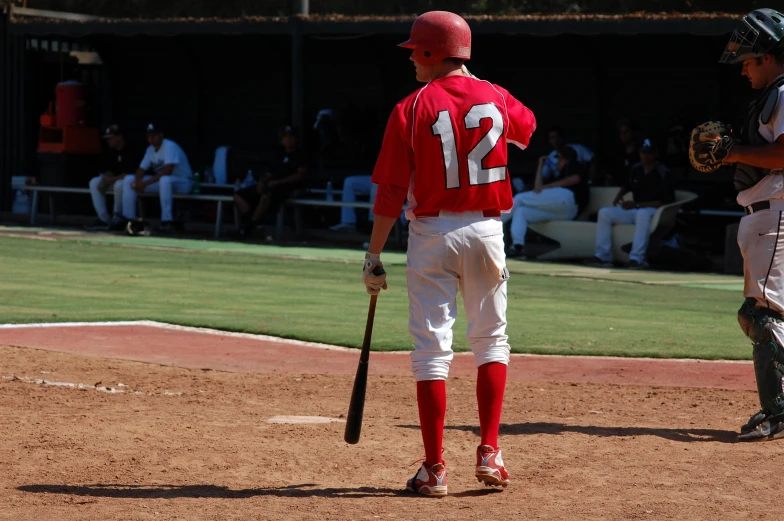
column 213, row 82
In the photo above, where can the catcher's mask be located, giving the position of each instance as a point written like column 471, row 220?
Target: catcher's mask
column 762, row 31
column 137, row 227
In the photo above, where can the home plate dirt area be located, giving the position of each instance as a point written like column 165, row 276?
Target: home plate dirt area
column 144, row 421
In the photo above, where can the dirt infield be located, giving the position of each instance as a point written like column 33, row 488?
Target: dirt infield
column 196, row 434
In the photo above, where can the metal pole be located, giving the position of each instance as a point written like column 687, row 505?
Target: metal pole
column 5, row 176
column 297, row 77
column 302, row 7
column 12, row 142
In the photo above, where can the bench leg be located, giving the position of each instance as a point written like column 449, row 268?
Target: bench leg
column 218, row 219
column 279, row 223
column 51, row 208
column 34, row 209
column 236, row 216
column 299, row 226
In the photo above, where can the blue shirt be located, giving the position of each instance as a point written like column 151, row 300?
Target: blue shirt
column 550, row 168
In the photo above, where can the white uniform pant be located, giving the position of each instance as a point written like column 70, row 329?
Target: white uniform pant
column 456, row 252
column 167, row 186
column 551, row 204
column 353, row 186
column 99, row 198
column 761, row 242
column 641, row 219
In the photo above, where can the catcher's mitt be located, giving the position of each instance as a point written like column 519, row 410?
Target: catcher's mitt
column 709, row 145
column 138, row 227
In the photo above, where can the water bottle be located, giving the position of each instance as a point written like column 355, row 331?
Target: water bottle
column 329, row 191
column 196, row 183
column 237, row 185
column 249, row 180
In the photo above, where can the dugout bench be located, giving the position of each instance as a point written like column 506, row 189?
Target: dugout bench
column 51, row 190
column 298, row 203
column 577, row 238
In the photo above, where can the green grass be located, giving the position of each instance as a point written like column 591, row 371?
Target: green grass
column 324, row 300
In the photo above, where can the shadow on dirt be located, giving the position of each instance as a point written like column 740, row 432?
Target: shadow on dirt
column 682, row 435
column 208, row 491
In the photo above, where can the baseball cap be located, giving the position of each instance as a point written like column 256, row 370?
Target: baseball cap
column 290, row 129
column 648, row 147
column 152, row 128
column 112, row 131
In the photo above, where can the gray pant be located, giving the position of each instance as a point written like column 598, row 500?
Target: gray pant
column 551, row 204
column 98, row 194
column 167, row 186
column 641, row 219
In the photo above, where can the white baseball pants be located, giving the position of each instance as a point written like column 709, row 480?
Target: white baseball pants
column 99, row 198
column 167, row 186
column 551, row 204
column 761, row 241
column 352, row 186
column 641, row 219
column 456, row 252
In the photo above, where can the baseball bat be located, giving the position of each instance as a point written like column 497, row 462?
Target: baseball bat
column 357, row 405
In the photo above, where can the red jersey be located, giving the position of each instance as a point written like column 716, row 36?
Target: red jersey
column 447, row 144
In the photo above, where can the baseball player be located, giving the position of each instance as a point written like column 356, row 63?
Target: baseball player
column 286, row 177
column 561, row 198
column 651, row 185
column 445, row 149
column 759, row 158
column 557, row 140
column 172, row 175
column 353, row 185
column 121, row 160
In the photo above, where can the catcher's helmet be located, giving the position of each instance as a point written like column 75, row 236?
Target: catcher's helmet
column 762, row 31
column 436, row 35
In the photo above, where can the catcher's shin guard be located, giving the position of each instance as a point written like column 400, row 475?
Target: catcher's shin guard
column 768, row 358
column 768, row 354
column 756, row 323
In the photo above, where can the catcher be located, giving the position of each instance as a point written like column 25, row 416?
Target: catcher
column 758, row 155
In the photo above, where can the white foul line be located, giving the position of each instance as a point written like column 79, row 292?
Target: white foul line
column 175, row 327
column 328, row 347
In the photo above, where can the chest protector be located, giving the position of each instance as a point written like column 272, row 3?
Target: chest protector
column 761, row 110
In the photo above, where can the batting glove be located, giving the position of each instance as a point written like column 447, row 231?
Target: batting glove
column 373, row 274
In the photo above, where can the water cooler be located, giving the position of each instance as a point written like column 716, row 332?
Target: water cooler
column 68, row 147
column 21, row 201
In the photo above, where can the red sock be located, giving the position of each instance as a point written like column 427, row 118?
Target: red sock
column 431, row 399
column 490, row 385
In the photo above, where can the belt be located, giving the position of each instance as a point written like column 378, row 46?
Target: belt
column 485, row 213
column 756, row 207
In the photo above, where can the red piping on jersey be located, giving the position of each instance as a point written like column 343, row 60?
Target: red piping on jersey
column 506, row 112
column 413, row 114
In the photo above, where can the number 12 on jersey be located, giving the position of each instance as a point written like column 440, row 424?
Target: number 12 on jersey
column 477, row 175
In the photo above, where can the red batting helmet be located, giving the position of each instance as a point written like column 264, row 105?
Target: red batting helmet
column 436, row 35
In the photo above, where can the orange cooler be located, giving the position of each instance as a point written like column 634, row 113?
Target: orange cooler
column 71, row 99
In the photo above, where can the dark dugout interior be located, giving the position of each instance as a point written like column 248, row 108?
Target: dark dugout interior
column 208, row 90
